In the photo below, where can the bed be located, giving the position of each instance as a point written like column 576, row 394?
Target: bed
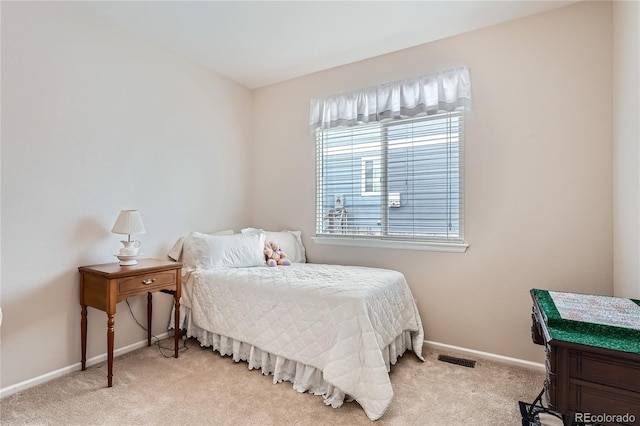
column 331, row 330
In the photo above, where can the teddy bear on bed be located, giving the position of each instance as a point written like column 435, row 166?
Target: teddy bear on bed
column 274, row 255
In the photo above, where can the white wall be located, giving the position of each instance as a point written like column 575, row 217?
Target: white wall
column 77, row 94
column 626, row 148
column 538, row 172
column 94, row 121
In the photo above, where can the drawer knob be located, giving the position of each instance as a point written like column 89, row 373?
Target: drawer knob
column 149, row 281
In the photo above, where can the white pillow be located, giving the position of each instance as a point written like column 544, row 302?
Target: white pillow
column 289, row 241
column 176, row 251
column 223, row 251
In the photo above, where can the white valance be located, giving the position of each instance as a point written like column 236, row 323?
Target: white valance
column 430, row 94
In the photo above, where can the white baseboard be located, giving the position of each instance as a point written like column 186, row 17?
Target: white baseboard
column 487, row 355
column 10, row 390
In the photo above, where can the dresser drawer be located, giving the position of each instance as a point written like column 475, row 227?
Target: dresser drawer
column 617, row 372
column 141, row 284
column 605, row 400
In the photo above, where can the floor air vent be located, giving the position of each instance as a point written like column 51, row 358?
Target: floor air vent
column 460, row 361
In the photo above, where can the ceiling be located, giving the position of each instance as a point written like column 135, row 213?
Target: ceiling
column 258, row 43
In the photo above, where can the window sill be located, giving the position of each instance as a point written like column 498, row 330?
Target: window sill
column 393, row 244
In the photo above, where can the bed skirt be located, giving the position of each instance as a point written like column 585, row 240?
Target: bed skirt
column 304, row 378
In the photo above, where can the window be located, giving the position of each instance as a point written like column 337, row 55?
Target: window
column 399, row 180
column 371, row 176
column 389, row 163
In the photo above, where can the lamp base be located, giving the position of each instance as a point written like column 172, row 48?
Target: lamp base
column 127, row 260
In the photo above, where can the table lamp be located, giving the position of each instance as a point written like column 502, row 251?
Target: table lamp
column 129, row 222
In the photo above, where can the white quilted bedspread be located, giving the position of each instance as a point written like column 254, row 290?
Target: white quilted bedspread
column 334, row 318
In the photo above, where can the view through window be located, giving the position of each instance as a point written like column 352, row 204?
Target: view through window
column 399, row 180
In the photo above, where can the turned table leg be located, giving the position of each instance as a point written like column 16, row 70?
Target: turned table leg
column 110, row 334
column 176, row 324
column 83, row 333
column 149, row 310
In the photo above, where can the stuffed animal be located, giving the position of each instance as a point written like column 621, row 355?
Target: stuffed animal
column 274, row 255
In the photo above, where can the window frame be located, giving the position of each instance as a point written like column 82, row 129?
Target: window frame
column 413, row 242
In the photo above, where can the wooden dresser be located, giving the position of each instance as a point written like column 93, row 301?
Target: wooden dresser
column 592, row 368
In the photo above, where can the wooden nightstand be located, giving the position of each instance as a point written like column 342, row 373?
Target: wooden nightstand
column 103, row 286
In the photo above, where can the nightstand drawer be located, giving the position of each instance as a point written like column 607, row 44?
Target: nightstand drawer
column 143, row 283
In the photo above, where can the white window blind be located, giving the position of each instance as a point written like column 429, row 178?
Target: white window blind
column 395, row 180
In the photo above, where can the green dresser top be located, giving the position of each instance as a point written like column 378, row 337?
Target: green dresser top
column 601, row 321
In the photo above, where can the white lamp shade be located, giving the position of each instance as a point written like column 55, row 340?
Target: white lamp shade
column 128, row 222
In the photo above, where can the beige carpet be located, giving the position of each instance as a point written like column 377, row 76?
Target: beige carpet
column 203, row 388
